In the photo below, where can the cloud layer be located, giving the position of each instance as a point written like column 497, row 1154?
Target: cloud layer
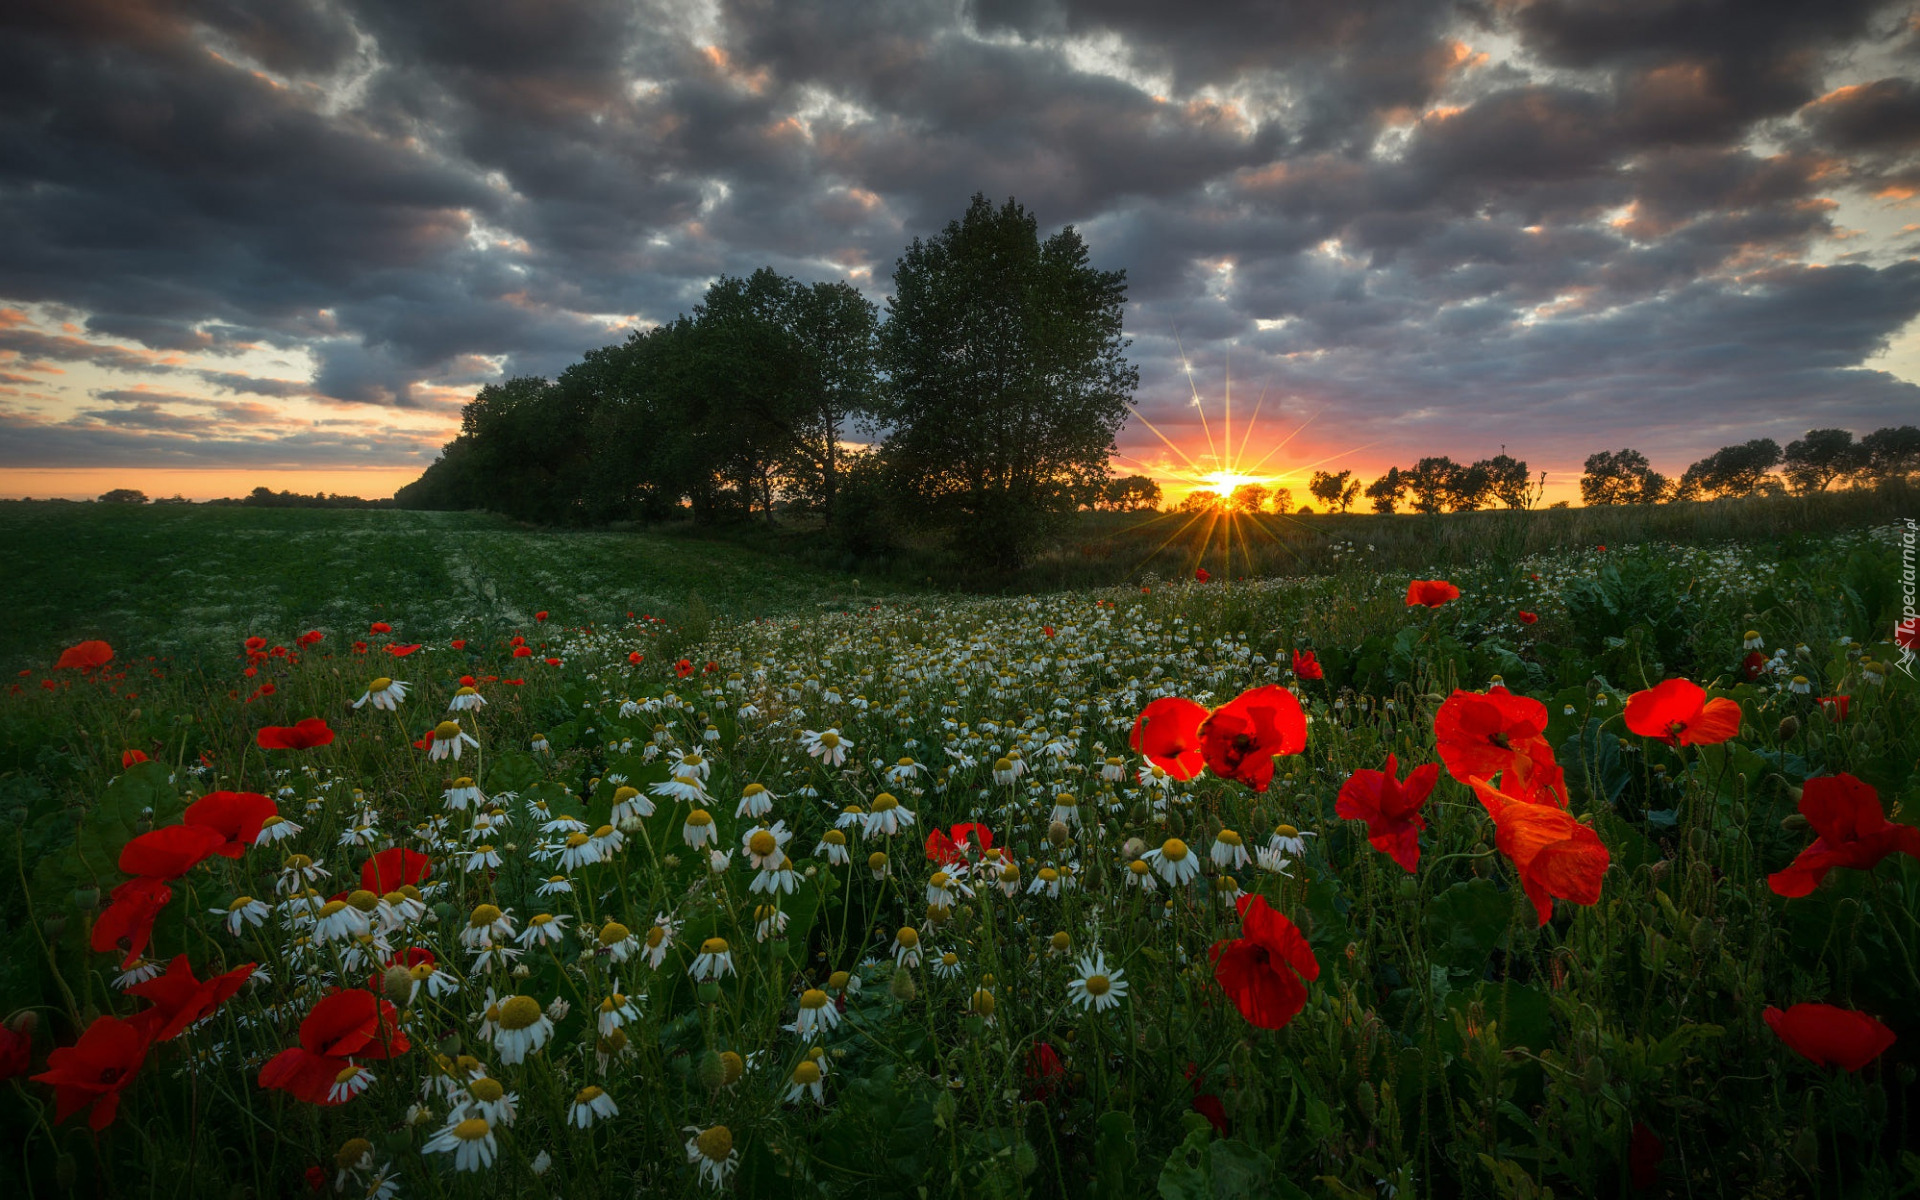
column 1427, row 227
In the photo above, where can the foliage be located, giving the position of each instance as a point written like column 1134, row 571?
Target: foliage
column 1621, row 477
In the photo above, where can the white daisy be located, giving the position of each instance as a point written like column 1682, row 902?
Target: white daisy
column 589, row 1105
column 1096, row 987
column 384, row 693
column 469, row 1140
column 714, row 961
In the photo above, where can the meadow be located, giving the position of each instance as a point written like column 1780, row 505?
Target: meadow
column 670, row 867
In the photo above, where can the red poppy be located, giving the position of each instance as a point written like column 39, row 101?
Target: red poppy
column 541, row 615
column 635, row 657
column 1906, row 633
column 1754, row 665
column 379, row 627
column 1431, row 592
column 1678, row 712
column 16, row 1052
column 256, row 644
column 132, row 758
column 1854, row 832
column 1480, row 735
column 1044, row 1070
column 517, row 640
column 1266, row 969
column 1201, row 575
column 950, row 847
column 316, row 1177
column 683, row 668
column 347, row 1024
column 179, row 999
column 1206, row 1103
column 1390, row 807
column 458, row 643
column 553, row 662
column 1167, row 732
column 359, row 647
column 236, row 816
column 170, row 851
column 399, row 651
column 1046, row 631
column 309, row 637
column 1306, row 664
column 1556, row 857
column 1645, row 1151
column 303, row 734
column 86, row 656
column 1527, row 618
column 1829, row 1036
column 93, row 1070
column 1242, row 736
column 394, row 868
column 1835, row 707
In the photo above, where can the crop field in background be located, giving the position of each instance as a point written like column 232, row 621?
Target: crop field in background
column 1581, row 868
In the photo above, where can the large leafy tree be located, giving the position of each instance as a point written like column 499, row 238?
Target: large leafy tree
column 1621, row 477
column 1741, row 470
column 1816, row 460
column 1006, row 382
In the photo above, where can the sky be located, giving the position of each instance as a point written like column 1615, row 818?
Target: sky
column 280, row 242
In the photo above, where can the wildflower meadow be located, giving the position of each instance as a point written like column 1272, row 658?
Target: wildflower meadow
column 1592, row 872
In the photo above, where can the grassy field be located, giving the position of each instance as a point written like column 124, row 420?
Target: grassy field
column 186, row 579
column 1582, row 977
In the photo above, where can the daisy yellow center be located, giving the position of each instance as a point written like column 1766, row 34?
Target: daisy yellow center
column 1009, row 873
column 380, row 685
column 467, row 691
column 714, row 945
column 623, row 794
column 486, row 1091
column 940, row 879
column 1003, row 764
column 655, row 936
column 835, row 838
column 239, row 902
column 1098, row 985
column 877, row 859
column 883, row 802
column 352, row 1151
column 363, row 900
column 1065, row 801
column 908, row 937
column 1061, row 941
column 1139, row 866
column 472, row 1129
column 838, row 980
column 813, row 998
column 983, row 1002
column 1048, row 875
column 298, row 862
column 807, row 1073
column 1287, row 831
column 464, row 781
column 762, row 843
column 753, row 789
column 829, row 739
column 332, row 907
column 604, row 832
column 519, row 1012
column 1229, row 837
column 588, row 1095
column 613, row 933
column 700, row 817
column 346, row 1074
column 716, row 1143
column 542, row 919
column 1174, row 849
column 446, row 731
column 576, row 840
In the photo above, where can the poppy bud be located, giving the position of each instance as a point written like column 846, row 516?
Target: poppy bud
column 708, row 992
column 397, row 983
column 1704, row 938
column 56, row 926
column 449, row 1045
column 25, row 1023
column 902, row 987
column 1596, row 1076
column 1793, row 822
column 1363, row 1098
column 1133, row 849
column 1025, row 1161
column 1789, row 726
column 711, row 1072
column 1697, row 838
column 86, row 899
column 1059, row 834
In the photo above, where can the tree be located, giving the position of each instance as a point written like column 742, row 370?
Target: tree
column 124, row 496
column 1388, row 491
column 1199, row 500
column 1470, row 488
column 1282, row 500
column 1248, row 497
column 1508, row 481
column 1006, row 381
column 1432, row 483
column 1816, row 460
column 1132, row 493
column 1731, row 471
column 1621, row 477
column 1891, row 453
column 1331, row 490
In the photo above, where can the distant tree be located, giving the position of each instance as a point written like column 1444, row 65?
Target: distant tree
column 1732, row 471
column 1248, row 498
column 124, row 496
column 1621, row 477
column 1470, row 487
column 176, row 498
column 1432, row 482
column 1507, row 480
column 1199, row 500
column 1132, row 493
column 1891, row 453
column 1816, row 460
column 1005, row 378
column 1282, row 500
column 1388, row 491
column 1330, row 489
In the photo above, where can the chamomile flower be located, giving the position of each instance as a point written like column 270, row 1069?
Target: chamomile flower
column 467, row 699
column 878, row 863
column 833, row 848
column 486, row 925
column 808, row 1076
column 755, row 802
column 339, row 921
column 1228, row 889
column 941, row 888
column 470, row 1140
column 906, row 946
column 1095, row 987
column 487, row 1097
column 616, row 1010
column 768, row 921
column 579, row 850
column 1753, row 641
column 299, row 871
column 1047, row 881
column 948, row 967
column 243, row 911
column 1003, row 773
column 448, row 738
column 776, row 879
column 1154, row 777
column 350, row 1082
column 1272, row 860
column 765, row 847
column 1066, row 809
column 544, row 929
column 1289, row 841
column 851, row 817
column 699, row 829
column 616, row 941
column 1174, row 862
column 1230, row 850
column 275, row 829
column 817, row 1015
column 591, row 1104
column 1114, row 770
column 659, row 940
column 482, row 857
column 711, row 1153
column 461, row 793
column 886, row 817
column 628, row 802
column 681, row 787
column 829, row 747
column 522, row 1029
column 556, row 885
column 1009, row 878
column 384, row 693
column 715, row 961
column 903, row 772
column 691, row 762
column 609, row 840
column 141, row 971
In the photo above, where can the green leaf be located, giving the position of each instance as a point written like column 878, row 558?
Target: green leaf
column 1114, row 1154
column 513, row 771
column 1466, row 922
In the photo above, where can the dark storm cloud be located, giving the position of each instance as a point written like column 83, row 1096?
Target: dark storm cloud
column 1611, row 231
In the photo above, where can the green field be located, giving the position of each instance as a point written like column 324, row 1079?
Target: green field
column 191, row 578
column 1618, row 997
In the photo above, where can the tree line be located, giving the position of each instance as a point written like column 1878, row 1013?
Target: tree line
column 989, row 398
